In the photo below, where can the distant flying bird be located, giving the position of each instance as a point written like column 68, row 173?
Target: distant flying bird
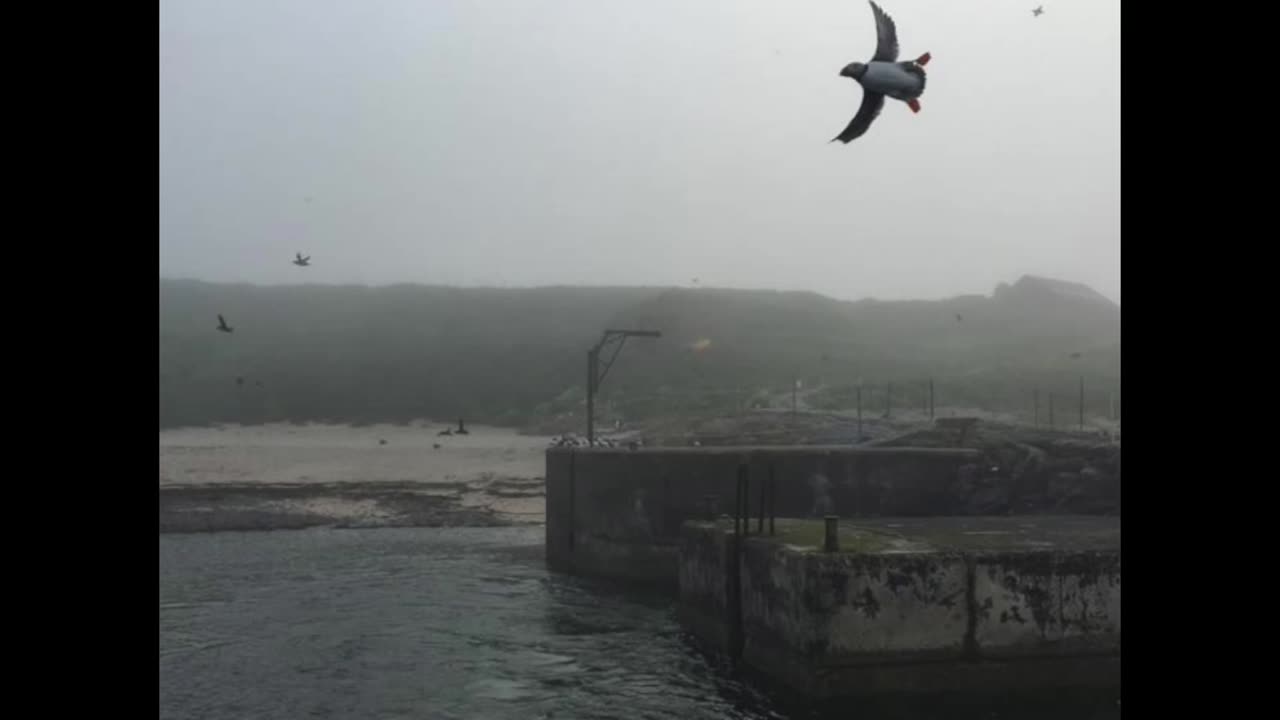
column 1075, row 356
column 382, row 442
column 239, row 381
column 882, row 76
column 1038, row 11
column 959, row 317
column 223, row 326
column 302, row 261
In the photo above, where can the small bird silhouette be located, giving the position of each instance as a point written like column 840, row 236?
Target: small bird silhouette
column 959, row 317
column 223, row 326
column 1075, row 356
column 1038, row 11
column 302, row 261
column 382, row 442
column 883, row 76
column 239, row 381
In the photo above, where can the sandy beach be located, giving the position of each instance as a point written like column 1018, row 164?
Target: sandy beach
column 291, row 476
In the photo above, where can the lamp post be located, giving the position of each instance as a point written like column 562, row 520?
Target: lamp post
column 595, row 375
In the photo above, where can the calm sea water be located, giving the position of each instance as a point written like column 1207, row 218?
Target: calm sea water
column 432, row 623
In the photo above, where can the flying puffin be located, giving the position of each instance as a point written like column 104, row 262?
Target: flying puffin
column 883, row 75
column 301, row 261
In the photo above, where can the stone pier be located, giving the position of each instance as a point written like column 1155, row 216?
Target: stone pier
column 912, row 605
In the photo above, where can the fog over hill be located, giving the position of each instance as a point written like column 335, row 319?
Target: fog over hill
column 368, row 354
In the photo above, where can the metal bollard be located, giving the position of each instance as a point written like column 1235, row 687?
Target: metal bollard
column 831, row 542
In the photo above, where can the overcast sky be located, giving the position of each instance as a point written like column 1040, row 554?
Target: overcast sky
column 607, row 142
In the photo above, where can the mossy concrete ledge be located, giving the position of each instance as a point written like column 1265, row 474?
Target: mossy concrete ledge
column 928, row 604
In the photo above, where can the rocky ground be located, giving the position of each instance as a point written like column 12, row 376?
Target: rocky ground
column 207, row 508
column 1028, row 470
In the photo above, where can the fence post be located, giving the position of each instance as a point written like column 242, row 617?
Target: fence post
column 1081, row 403
column 742, row 513
column 773, row 500
column 859, row 412
column 763, row 496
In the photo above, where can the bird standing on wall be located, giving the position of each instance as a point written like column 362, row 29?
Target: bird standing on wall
column 883, row 76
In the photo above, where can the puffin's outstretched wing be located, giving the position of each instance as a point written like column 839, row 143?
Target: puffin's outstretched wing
column 886, row 36
column 872, row 104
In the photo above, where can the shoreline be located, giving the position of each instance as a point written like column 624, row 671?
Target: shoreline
column 278, row 477
column 240, row 507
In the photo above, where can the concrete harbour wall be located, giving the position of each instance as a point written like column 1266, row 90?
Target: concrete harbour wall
column 940, row 619
column 617, row 513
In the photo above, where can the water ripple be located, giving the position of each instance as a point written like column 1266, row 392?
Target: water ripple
column 422, row 623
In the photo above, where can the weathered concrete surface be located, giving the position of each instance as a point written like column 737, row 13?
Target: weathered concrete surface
column 704, row 580
column 618, row 513
column 944, row 603
column 1031, row 603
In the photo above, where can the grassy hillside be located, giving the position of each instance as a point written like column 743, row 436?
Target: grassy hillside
column 359, row 354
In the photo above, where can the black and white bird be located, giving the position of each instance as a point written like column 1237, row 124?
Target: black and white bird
column 301, row 261
column 1038, row 11
column 883, row 76
column 223, row 326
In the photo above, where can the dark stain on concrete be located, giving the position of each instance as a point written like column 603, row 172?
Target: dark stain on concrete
column 867, row 603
